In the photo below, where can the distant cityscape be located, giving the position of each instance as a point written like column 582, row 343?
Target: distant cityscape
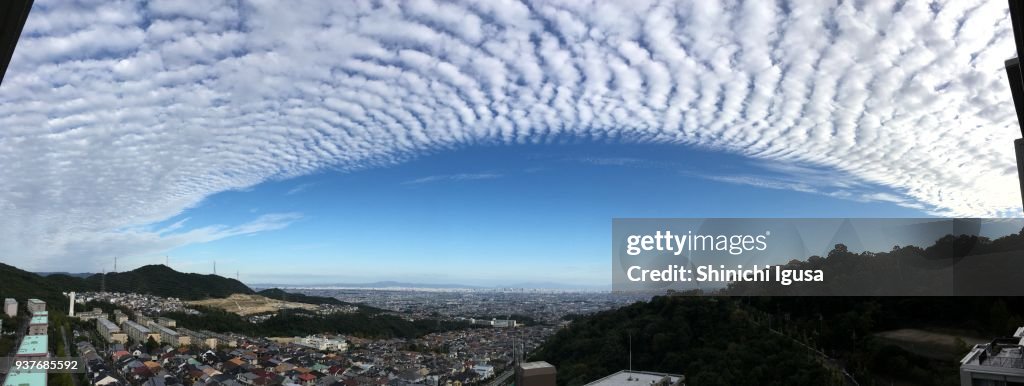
column 542, row 305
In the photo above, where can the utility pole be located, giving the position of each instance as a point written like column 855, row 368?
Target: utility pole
column 630, row 357
column 1014, row 75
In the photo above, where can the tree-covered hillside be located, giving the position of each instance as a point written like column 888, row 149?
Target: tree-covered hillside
column 22, row 285
column 157, row 280
column 280, row 294
column 711, row 341
column 161, row 280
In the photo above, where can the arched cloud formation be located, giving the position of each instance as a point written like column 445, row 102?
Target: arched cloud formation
column 118, row 113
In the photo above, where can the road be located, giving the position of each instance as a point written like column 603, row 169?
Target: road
column 67, row 351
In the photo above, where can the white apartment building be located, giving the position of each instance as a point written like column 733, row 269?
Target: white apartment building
column 997, row 363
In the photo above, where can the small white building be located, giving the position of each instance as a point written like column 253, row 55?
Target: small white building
column 35, row 305
column 646, row 378
column 484, row 371
column 322, row 343
column 11, row 307
column 1000, row 362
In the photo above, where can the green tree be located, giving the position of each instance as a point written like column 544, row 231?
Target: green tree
column 151, row 345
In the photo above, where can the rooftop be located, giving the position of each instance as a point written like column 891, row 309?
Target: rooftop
column 535, row 365
column 38, row 319
column 636, row 378
column 139, row 327
column 1003, row 356
column 110, row 326
column 26, row 378
column 164, row 330
column 33, row 345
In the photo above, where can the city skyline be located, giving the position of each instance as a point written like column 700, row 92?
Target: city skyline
column 482, row 141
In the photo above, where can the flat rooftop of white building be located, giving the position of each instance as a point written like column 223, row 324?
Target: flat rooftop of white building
column 139, row 327
column 1008, row 359
column 26, row 378
column 634, row 378
column 535, row 365
column 110, row 326
column 164, row 330
column 33, row 345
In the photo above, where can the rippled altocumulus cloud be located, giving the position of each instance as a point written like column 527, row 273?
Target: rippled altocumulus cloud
column 118, row 114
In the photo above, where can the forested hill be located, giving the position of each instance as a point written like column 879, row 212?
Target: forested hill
column 161, row 280
column 961, row 265
column 712, row 341
column 280, row 294
column 157, row 280
column 21, row 285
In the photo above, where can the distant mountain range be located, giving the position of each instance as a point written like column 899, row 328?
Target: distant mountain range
column 79, row 275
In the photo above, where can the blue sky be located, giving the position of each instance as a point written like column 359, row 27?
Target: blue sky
column 492, row 215
column 422, row 138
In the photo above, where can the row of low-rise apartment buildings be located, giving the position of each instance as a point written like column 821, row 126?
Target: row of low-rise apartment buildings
column 35, row 344
column 160, row 330
column 111, row 331
column 38, row 323
column 139, row 333
column 33, row 306
column 199, row 338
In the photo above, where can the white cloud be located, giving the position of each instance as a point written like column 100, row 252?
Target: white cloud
column 117, row 114
column 300, row 188
column 452, row 177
